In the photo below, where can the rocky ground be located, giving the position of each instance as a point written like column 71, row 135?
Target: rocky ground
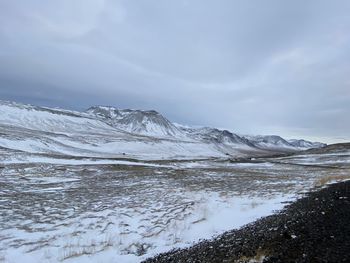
column 313, row 229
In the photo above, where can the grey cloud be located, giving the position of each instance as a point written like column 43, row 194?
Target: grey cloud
column 250, row 66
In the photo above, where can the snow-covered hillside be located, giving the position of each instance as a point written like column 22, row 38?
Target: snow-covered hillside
column 305, row 144
column 149, row 123
column 277, row 142
column 107, row 132
column 50, row 120
column 218, row 136
column 110, row 185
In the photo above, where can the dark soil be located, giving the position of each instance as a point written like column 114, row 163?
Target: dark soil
column 315, row 228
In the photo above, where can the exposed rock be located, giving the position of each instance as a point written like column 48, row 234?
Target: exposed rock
column 313, row 229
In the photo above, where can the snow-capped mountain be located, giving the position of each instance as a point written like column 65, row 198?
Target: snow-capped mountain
column 48, row 119
column 305, row 144
column 107, row 132
column 277, row 142
column 142, row 122
column 268, row 141
column 214, row 135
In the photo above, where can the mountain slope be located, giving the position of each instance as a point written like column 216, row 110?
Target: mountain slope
column 107, row 132
column 213, row 135
column 269, row 141
column 149, row 123
column 306, row 144
column 49, row 120
column 278, row 143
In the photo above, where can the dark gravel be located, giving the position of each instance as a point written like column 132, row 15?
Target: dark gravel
column 315, row 228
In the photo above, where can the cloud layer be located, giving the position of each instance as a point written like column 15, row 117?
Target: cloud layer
column 260, row 67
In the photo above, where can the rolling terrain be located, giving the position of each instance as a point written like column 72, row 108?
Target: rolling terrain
column 107, row 132
column 109, row 185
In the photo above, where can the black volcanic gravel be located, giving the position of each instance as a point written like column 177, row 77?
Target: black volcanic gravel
column 315, row 228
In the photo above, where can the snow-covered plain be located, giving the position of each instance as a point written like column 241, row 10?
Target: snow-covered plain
column 119, row 186
column 81, row 211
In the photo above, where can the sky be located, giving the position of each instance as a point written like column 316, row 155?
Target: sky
column 250, row 66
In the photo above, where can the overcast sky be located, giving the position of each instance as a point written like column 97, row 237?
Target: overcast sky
column 254, row 67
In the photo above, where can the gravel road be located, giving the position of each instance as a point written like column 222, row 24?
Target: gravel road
column 315, row 228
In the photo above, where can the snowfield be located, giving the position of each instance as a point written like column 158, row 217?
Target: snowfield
column 114, row 211
column 109, row 185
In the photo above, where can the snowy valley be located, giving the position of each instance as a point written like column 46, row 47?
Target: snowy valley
column 106, row 132
column 110, row 185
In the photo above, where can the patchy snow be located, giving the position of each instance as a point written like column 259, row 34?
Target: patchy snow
column 114, row 147
column 120, row 235
column 37, row 159
column 31, row 118
column 122, row 185
column 149, row 123
column 93, row 211
column 106, row 131
column 319, row 159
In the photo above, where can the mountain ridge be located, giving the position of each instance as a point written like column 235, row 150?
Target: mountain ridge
column 108, row 131
column 145, row 122
column 221, row 134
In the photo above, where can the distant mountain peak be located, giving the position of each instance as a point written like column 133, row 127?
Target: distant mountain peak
column 145, row 122
column 126, row 126
column 300, row 143
column 103, row 111
column 275, row 141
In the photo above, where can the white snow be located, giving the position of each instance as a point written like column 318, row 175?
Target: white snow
column 146, row 134
column 46, row 153
column 30, row 118
column 46, row 160
column 210, row 216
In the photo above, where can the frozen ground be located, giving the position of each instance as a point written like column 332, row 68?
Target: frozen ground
column 76, row 187
column 87, row 210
